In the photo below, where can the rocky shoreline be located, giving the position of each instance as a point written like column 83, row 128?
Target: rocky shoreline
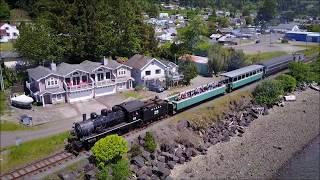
column 190, row 153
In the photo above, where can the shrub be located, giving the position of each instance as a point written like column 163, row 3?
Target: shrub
column 268, row 92
column 139, row 87
column 135, row 150
column 103, row 173
column 121, row 169
column 284, row 41
column 109, row 148
column 149, row 142
column 301, row 72
column 288, row 82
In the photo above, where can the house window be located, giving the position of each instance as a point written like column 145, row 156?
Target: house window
column 121, row 72
column 7, row 28
column 52, row 82
column 158, row 71
column 76, row 80
column 14, row 34
column 148, row 73
column 108, row 75
column 84, row 79
column 100, row 76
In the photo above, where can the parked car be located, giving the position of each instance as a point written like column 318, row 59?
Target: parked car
column 156, row 88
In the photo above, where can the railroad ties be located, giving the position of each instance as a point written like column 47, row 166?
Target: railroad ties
column 38, row 166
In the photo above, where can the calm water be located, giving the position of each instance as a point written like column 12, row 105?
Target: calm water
column 305, row 165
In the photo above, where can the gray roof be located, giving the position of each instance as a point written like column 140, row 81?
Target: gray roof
column 138, row 61
column 242, row 70
column 168, row 63
column 278, row 60
column 287, row 26
column 39, row 72
column 64, row 69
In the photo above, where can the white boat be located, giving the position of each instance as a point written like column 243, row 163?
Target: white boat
column 22, row 101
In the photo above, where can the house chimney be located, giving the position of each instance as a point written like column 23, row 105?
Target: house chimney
column 105, row 61
column 84, row 117
column 53, row 66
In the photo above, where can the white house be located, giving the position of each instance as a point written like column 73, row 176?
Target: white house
column 147, row 70
column 8, row 32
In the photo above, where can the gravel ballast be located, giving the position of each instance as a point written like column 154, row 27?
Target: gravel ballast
column 266, row 145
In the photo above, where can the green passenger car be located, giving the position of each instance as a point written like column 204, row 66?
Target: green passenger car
column 240, row 77
column 185, row 103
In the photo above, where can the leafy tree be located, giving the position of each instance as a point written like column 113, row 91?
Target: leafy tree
column 249, row 20
column 202, row 48
column 235, row 60
column 268, row 92
column 268, row 10
column 300, row 71
column 9, row 76
column 217, row 56
column 223, row 22
column 38, row 44
column 246, row 11
column 4, row 10
column 288, row 82
column 189, row 71
column 149, row 142
column 109, row 148
column 212, row 24
column 191, row 35
column 121, row 169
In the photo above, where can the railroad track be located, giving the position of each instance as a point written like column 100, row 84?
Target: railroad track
column 39, row 166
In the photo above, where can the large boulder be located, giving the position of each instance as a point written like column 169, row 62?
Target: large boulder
column 182, row 124
column 146, row 155
column 171, row 164
column 161, row 159
column 138, row 160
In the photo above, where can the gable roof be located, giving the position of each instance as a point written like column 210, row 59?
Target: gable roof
column 65, row 68
column 40, row 72
column 139, row 61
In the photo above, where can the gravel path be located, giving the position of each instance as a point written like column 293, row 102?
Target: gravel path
column 268, row 143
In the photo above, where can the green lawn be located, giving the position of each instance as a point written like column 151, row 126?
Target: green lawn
column 27, row 152
column 260, row 57
column 6, row 46
column 311, row 50
column 11, row 126
column 133, row 94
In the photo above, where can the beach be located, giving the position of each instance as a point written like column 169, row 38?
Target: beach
column 266, row 146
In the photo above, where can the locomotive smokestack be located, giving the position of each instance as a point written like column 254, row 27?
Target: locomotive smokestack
column 84, row 117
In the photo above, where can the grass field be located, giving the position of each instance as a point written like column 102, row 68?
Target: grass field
column 27, row 152
column 204, row 116
column 260, row 57
column 311, row 50
column 11, row 126
column 6, row 46
column 133, row 94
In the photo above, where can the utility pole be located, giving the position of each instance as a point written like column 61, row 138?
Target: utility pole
column 1, row 76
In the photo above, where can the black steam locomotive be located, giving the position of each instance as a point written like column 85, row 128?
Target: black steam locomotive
column 118, row 120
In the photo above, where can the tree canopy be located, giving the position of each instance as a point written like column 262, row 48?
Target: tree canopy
column 90, row 29
column 4, row 10
column 109, row 148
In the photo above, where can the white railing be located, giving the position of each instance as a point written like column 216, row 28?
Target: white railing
column 80, row 87
column 108, row 82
